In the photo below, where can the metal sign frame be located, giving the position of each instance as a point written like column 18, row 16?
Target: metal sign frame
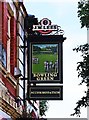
column 45, row 93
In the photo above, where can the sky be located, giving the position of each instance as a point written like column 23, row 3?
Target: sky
column 64, row 14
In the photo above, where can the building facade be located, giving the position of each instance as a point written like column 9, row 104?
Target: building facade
column 12, row 32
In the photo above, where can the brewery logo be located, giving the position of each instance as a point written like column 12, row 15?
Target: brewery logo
column 45, row 26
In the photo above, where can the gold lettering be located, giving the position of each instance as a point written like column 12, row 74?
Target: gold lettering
column 51, row 74
column 41, row 78
column 51, row 78
column 41, row 75
column 55, row 74
column 46, row 76
column 45, row 92
column 38, row 78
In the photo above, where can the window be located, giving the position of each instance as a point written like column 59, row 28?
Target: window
column 8, row 22
column 8, row 43
column 2, row 55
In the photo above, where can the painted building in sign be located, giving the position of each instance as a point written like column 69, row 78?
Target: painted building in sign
column 12, row 16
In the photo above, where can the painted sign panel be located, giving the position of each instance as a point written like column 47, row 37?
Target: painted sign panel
column 46, row 92
column 45, row 61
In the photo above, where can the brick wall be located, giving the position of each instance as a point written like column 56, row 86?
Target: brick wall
column 13, row 43
column 9, row 86
column 13, row 53
column 4, row 25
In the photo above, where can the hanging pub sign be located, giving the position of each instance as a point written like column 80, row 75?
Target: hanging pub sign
column 45, row 93
column 45, row 59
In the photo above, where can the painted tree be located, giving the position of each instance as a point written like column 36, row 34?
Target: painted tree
column 83, row 66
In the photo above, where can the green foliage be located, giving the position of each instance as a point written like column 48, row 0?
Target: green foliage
column 43, row 107
column 29, row 21
column 83, row 66
column 83, row 72
column 36, row 48
column 83, row 12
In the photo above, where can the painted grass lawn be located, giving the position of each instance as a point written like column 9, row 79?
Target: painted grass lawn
column 39, row 68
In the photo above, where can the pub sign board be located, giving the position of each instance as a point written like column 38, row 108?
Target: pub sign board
column 45, row 58
column 45, row 93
